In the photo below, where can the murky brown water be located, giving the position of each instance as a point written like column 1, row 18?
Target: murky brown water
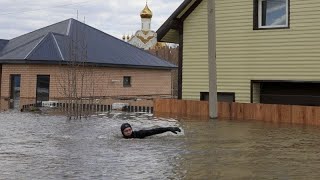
column 251, row 150
column 34, row 146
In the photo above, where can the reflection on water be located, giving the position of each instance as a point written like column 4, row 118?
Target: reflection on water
column 251, row 150
column 34, row 146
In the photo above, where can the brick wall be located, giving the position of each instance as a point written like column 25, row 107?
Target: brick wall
column 170, row 55
column 98, row 81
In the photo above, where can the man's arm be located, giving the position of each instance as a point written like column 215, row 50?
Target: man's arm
column 145, row 133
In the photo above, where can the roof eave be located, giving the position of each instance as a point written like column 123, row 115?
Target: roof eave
column 175, row 20
column 168, row 24
column 55, row 62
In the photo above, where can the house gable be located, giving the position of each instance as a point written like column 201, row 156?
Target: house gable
column 169, row 31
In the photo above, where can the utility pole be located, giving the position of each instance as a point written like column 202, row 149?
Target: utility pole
column 213, row 99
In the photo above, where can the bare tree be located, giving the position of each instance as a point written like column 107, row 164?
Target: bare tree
column 77, row 80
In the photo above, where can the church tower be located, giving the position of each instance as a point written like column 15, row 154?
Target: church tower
column 145, row 38
column 146, row 15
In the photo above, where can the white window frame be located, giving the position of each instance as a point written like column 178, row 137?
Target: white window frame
column 275, row 26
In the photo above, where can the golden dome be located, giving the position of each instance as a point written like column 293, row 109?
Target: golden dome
column 146, row 12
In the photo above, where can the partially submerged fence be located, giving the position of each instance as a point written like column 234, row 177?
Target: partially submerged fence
column 181, row 108
column 89, row 108
column 308, row 115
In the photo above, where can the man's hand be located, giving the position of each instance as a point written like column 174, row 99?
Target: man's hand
column 174, row 129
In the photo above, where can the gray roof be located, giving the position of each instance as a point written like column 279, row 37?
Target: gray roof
column 3, row 42
column 76, row 41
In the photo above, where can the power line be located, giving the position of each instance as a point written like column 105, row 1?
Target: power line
column 64, row 5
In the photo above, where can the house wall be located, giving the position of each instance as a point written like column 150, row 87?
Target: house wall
column 195, row 53
column 244, row 54
column 98, row 82
column 171, row 55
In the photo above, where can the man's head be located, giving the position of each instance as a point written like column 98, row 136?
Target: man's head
column 126, row 129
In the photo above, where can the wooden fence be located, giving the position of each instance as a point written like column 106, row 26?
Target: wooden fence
column 307, row 115
column 181, row 108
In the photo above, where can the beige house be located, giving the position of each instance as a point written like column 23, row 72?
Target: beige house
column 267, row 51
column 71, row 57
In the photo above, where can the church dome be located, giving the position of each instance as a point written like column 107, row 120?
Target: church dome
column 146, row 12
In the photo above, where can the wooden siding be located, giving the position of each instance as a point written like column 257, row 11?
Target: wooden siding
column 244, row 54
column 171, row 36
column 195, row 53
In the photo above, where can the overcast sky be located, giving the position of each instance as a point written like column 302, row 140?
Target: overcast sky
column 115, row 17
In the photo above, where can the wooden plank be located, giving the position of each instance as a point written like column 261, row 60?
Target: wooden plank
column 224, row 110
column 285, row 114
column 249, row 111
column 273, row 112
column 266, row 110
column 311, row 116
column 317, row 116
column 298, row 114
column 259, row 113
column 237, row 111
column 205, row 109
column 183, row 107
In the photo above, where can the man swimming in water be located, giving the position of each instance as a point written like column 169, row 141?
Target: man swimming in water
column 127, row 131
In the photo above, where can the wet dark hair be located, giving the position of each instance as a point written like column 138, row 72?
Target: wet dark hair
column 124, row 126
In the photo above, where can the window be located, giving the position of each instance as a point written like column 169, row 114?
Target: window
column 43, row 86
column 15, row 91
column 271, row 14
column 127, row 81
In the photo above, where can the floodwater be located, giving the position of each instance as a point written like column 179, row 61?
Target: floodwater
column 35, row 146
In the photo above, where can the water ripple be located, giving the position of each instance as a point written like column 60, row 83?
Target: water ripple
column 37, row 146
